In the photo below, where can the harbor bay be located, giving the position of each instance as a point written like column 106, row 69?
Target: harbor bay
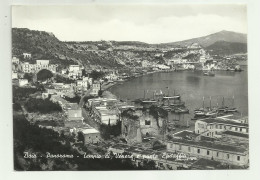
column 192, row 86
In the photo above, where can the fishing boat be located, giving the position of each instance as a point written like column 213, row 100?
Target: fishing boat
column 230, row 110
column 181, row 110
column 178, row 104
column 199, row 113
column 172, row 97
column 211, row 113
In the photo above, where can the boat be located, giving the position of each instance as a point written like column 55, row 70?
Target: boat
column 209, row 73
column 149, row 101
column 199, row 113
column 181, row 110
column 211, row 113
column 230, row 110
column 172, row 97
column 181, row 103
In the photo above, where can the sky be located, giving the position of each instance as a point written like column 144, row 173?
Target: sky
column 150, row 23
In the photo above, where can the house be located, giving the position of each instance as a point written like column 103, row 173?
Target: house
column 27, row 55
column 203, row 149
column 104, row 115
column 91, row 136
column 15, row 60
column 96, row 87
column 23, row 82
column 214, row 127
column 74, row 116
column 145, row 63
column 14, row 75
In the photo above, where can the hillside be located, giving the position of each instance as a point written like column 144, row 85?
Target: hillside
column 208, row 40
column 43, row 45
column 227, row 48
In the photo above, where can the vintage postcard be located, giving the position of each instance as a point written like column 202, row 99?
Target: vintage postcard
column 130, row 87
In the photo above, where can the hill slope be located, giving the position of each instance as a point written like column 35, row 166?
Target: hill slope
column 227, row 48
column 208, row 40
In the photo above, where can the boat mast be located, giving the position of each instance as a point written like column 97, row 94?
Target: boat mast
column 223, row 104
column 203, row 103
column 210, row 102
column 233, row 102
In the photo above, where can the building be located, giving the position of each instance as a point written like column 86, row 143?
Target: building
column 74, row 115
column 214, row 127
column 75, row 71
column 104, row 115
column 208, row 150
column 40, row 64
column 14, row 75
column 96, row 87
column 27, row 55
column 145, row 63
column 23, row 82
column 15, row 60
column 91, row 136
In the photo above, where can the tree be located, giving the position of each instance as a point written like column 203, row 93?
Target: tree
column 81, row 137
column 28, row 76
column 44, row 75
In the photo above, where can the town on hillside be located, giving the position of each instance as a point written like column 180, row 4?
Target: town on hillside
column 73, row 104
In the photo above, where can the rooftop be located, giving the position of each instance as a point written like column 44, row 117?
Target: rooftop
column 185, row 134
column 210, row 145
column 221, row 121
column 232, row 133
column 90, row 131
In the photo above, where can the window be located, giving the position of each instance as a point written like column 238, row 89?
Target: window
column 227, row 156
column 238, row 158
column 179, row 147
column 217, row 154
column 171, row 145
column 147, row 122
column 189, row 148
column 207, row 152
column 216, row 126
column 236, row 129
column 247, row 130
column 198, row 151
column 240, row 129
column 207, row 134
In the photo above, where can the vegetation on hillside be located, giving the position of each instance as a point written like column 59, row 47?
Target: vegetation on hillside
column 44, row 75
column 42, row 106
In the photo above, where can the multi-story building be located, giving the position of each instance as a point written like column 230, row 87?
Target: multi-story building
column 91, row 136
column 203, row 149
column 96, row 87
column 27, row 55
column 40, row 64
column 214, row 127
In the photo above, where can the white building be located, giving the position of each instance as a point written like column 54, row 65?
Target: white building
column 27, row 55
column 23, row 82
column 208, row 150
column 14, row 75
column 15, row 60
column 214, row 127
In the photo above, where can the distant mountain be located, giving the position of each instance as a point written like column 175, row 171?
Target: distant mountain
column 208, row 40
column 227, row 48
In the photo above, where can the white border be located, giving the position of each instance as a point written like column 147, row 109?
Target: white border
column 6, row 148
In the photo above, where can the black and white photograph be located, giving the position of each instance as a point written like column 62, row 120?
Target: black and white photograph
column 112, row 87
